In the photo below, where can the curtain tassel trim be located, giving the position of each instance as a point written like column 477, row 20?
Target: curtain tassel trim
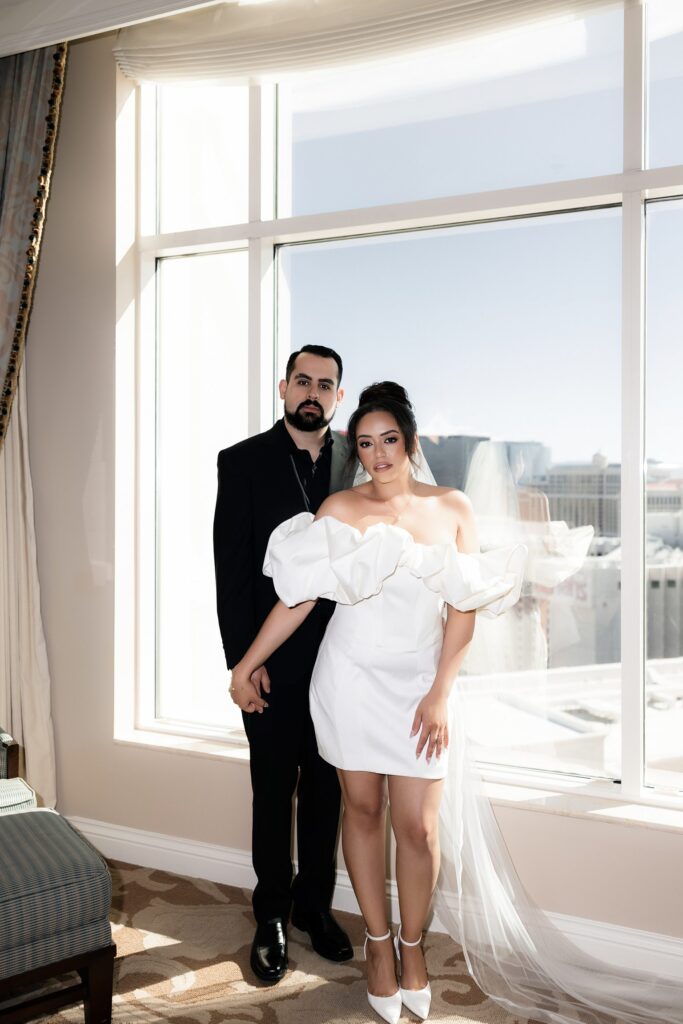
column 34, row 239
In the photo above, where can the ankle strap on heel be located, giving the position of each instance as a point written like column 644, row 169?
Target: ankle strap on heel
column 405, row 941
column 374, row 938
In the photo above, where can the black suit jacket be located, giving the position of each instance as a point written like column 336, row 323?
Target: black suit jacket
column 257, row 490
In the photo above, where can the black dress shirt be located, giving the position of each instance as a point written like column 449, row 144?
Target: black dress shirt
column 313, row 475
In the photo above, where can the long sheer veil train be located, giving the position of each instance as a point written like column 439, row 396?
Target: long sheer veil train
column 507, row 513
column 515, row 954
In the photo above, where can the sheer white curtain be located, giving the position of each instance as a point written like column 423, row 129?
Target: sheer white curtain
column 24, row 675
column 243, row 44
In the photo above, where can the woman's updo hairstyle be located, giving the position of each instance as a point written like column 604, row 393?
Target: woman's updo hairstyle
column 386, row 396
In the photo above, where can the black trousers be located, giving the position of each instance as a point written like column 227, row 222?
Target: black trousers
column 285, row 761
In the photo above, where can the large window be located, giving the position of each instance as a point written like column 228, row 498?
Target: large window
column 470, row 222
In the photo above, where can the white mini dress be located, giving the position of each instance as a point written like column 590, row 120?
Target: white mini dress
column 381, row 649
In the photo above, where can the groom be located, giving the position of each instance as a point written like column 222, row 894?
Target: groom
column 262, row 481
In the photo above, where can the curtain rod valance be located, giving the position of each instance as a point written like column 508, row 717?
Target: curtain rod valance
column 241, row 43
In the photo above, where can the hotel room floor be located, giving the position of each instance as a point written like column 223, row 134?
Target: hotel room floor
column 183, row 956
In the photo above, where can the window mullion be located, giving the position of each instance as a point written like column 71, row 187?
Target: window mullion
column 632, row 430
column 261, row 334
column 632, row 497
column 635, row 48
column 255, row 214
column 261, row 206
column 255, row 198
column 147, row 472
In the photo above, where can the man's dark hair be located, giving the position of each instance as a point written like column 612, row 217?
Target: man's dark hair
column 316, row 350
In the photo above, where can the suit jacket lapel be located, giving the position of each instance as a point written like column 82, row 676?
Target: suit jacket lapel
column 338, row 472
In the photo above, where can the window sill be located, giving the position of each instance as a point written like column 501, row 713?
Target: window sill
column 662, row 814
column 568, row 799
column 222, row 750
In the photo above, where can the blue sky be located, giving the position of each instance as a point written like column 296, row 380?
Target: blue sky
column 509, row 329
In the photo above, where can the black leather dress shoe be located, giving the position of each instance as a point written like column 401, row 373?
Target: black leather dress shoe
column 269, row 951
column 327, row 938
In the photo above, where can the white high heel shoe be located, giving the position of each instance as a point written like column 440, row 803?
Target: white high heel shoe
column 417, row 1000
column 388, row 1007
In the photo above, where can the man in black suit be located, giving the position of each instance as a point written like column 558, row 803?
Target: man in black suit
column 263, row 481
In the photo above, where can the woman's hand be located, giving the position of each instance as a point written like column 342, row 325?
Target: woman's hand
column 431, row 717
column 245, row 688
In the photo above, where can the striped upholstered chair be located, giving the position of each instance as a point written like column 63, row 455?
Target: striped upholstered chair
column 15, row 795
column 55, row 895
column 9, row 756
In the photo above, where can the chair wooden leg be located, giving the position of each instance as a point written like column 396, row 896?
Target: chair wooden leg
column 98, row 978
column 13, row 761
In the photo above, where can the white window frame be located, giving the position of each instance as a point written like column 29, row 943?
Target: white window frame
column 140, row 246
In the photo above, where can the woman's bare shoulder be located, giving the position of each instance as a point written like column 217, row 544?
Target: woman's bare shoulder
column 455, row 505
column 342, row 505
column 456, row 500
column 458, row 508
column 448, row 496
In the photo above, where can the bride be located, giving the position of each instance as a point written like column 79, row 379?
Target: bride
column 400, row 558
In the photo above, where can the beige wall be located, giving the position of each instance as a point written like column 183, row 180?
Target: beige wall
column 599, row 870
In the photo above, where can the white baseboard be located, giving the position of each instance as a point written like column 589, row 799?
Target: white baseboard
column 223, row 864
column 626, row 947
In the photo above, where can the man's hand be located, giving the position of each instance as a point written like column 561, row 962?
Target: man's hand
column 261, row 678
column 245, row 689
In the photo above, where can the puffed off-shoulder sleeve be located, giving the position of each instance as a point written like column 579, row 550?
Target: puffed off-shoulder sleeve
column 489, row 582
column 309, row 558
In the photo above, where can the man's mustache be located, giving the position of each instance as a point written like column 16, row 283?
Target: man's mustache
column 304, row 404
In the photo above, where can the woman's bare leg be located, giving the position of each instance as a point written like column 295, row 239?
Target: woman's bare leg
column 414, row 819
column 364, row 846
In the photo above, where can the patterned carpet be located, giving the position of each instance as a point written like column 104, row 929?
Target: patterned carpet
column 183, row 956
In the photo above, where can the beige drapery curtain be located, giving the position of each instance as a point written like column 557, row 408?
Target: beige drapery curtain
column 24, row 674
column 31, row 86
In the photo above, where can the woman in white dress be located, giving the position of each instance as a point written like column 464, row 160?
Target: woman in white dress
column 400, row 558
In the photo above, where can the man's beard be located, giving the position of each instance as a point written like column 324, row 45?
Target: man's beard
column 307, row 421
